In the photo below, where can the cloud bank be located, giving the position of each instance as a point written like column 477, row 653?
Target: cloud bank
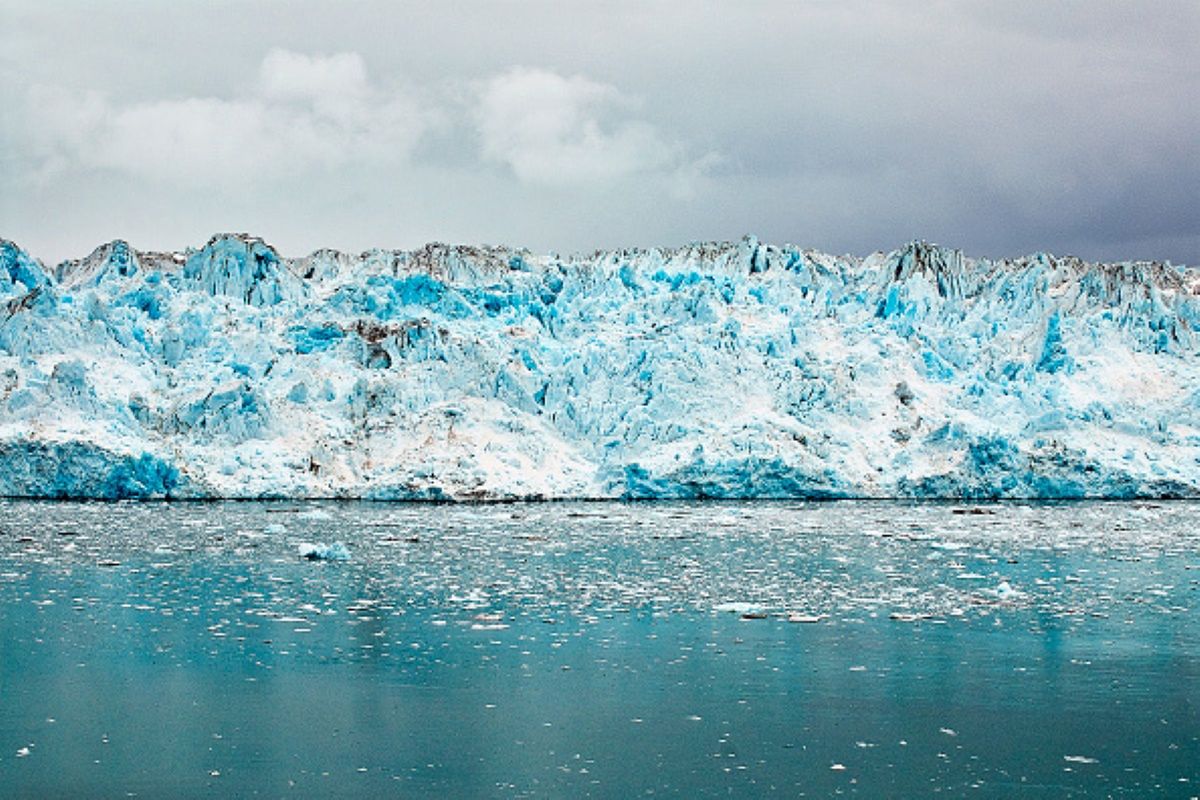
column 301, row 113
column 315, row 112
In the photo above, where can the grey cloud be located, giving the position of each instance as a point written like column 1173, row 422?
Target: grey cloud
column 997, row 127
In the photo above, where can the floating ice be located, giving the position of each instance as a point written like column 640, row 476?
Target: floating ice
column 1005, row 591
column 713, row 370
column 738, row 607
column 320, row 551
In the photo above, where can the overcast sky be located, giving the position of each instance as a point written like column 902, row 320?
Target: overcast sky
column 1002, row 128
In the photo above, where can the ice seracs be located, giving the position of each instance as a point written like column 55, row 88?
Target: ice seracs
column 712, row 370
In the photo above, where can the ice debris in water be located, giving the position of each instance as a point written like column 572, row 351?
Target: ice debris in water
column 823, row 564
column 737, row 607
column 712, row 370
column 319, row 551
column 1005, row 591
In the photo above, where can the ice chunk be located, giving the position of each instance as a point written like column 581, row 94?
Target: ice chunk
column 320, row 551
column 738, row 607
column 1005, row 591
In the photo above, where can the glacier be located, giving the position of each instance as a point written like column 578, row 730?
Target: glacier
column 726, row 370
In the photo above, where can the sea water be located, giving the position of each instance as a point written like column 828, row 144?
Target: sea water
column 600, row 649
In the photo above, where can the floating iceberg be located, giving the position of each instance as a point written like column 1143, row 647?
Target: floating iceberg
column 320, row 551
column 714, row 370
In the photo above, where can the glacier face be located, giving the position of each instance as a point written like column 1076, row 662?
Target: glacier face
column 722, row 370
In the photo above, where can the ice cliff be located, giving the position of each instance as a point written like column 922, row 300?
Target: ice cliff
column 722, row 370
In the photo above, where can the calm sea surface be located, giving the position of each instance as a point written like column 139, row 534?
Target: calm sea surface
column 607, row 650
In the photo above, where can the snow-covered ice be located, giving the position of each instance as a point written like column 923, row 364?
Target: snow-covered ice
column 713, row 370
column 321, row 551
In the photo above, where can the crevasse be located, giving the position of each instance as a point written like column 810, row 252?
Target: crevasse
column 713, row 370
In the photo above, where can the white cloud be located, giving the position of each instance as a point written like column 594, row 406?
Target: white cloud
column 333, row 85
column 304, row 113
column 559, row 131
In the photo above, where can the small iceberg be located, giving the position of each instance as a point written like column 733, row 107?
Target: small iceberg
column 1081, row 759
column 1005, row 591
column 319, row 551
column 738, row 608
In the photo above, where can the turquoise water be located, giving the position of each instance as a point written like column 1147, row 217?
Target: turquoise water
column 610, row 650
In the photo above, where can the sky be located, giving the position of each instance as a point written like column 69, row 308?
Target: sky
column 1002, row 128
